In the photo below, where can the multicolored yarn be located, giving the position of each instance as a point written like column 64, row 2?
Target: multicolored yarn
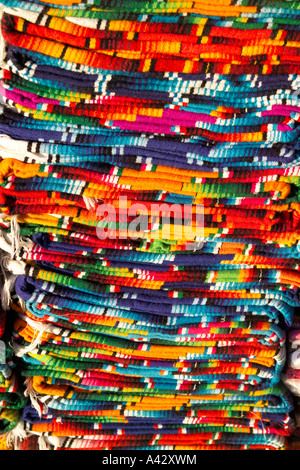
column 12, row 399
column 149, row 338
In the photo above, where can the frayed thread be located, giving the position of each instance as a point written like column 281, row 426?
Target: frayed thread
column 10, row 269
column 43, row 445
column 16, row 436
column 91, row 202
column 54, row 441
column 39, row 328
column 33, row 396
column 15, row 235
column 12, row 242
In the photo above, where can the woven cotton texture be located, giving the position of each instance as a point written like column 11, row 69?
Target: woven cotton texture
column 166, row 333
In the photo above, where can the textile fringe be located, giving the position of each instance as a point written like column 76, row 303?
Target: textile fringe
column 8, row 278
column 43, row 445
column 33, row 395
column 91, row 203
column 10, row 270
column 54, row 441
column 15, row 437
column 40, row 328
column 12, row 242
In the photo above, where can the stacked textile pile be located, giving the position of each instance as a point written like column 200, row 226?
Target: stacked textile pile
column 12, row 399
column 150, row 180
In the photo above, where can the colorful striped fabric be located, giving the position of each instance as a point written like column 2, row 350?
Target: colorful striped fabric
column 12, row 399
column 150, row 223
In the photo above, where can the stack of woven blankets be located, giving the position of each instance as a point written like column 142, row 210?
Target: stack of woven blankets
column 150, row 226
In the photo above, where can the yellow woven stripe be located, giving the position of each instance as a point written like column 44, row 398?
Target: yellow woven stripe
column 3, row 443
column 61, row 2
